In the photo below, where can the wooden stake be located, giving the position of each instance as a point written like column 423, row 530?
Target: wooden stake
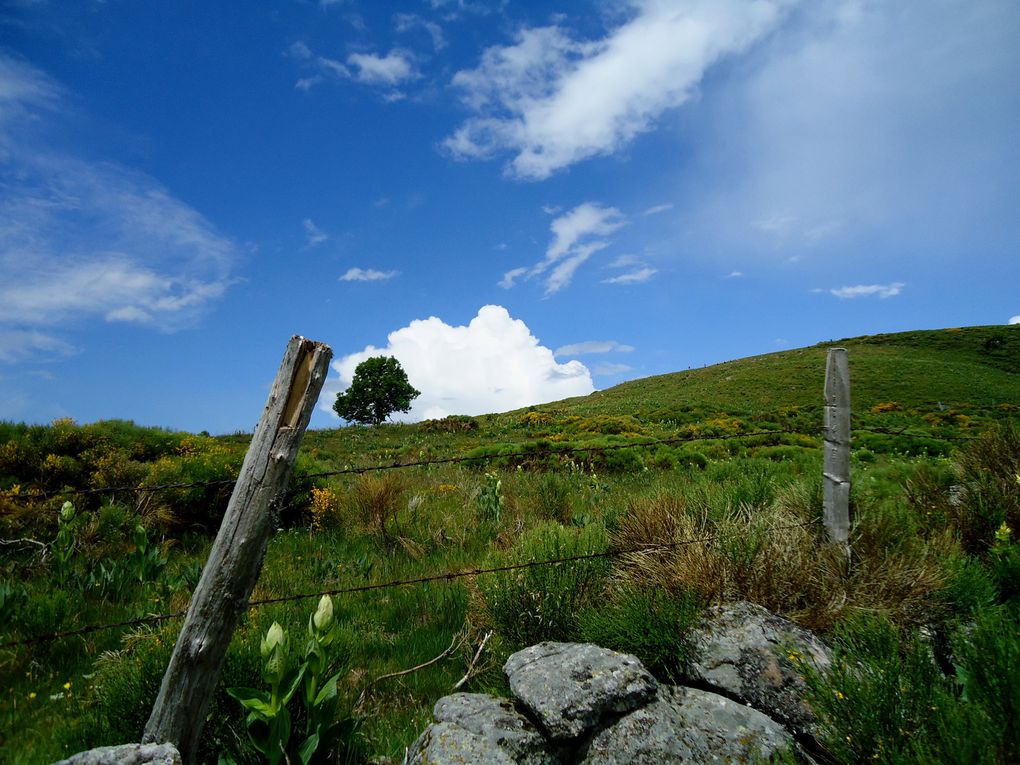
column 229, row 576
column 836, row 470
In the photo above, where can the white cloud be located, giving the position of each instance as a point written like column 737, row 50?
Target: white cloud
column 393, row 68
column 634, row 277
column 367, row 275
column 657, row 209
column 24, row 345
column 593, row 346
column 555, row 101
column 314, row 233
column 575, row 239
column 406, row 22
column 1014, row 320
column 608, row 369
column 299, row 50
column 81, row 239
column 734, row 275
column 865, row 120
column 868, row 290
column 307, row 83
column 510, row 277
column 493, row 364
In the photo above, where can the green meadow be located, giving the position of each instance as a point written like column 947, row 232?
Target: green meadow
column 728, row 454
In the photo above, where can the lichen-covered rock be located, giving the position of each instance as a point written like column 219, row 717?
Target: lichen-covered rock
column 571, row 687
column 757, row 657
column 685, row 725
column 127, row 754
column 449, row 744
column 476, row 728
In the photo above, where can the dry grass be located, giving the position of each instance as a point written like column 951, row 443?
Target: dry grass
column 766, row 555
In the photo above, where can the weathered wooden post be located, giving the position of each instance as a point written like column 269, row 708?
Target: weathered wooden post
column 229, row 576
column 836, row 471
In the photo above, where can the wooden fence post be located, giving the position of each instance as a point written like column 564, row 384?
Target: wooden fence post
column 836, row 471
column 229, row 576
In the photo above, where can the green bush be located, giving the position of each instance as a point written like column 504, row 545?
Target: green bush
column 532, row 604
column 885, row 700
column 653, row 625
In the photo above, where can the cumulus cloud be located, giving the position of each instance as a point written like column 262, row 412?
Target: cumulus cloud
column 81, row 239
column 867, row 290
column 593, row 346
column 1014, row 320
column 577, row 235
column 554, row 101
column 493, row 364
column 367, row 275
column 639, row 276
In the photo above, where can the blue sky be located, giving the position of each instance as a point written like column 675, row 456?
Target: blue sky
column 520, row 204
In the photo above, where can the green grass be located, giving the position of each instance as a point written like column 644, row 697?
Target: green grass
column 918, row 557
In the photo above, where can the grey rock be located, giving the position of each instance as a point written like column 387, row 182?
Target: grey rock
column 571, row 688
column 689, row 726
column 127, row 754
column 449, row 744
column 474, row 727
column 757, row 657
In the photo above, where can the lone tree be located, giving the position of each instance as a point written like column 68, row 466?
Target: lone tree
column 379, row 388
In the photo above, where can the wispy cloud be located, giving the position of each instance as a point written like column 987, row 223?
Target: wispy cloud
column 554, row 101
column 866, row 290
column 367, row 275
column 24, row 345
column 577, row 235
column 593, row 346
column 81, row 239
column 657, row 209
column 395, row 68
column 406, row 22
column 609, row 369
column 734, row 275
column 314, row 234
column 392, row 69
column 510, row 277
column 633, row 277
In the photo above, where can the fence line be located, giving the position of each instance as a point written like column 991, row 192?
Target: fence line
column 446, row 576
column 552, row 450
column 545, row 451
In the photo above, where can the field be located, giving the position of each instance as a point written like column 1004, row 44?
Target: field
column 728, row 455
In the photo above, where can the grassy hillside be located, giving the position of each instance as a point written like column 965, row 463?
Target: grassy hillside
column 974, row 367
column 921, row 555
column 941, row 383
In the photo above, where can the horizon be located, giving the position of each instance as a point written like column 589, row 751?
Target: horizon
column 520, row 206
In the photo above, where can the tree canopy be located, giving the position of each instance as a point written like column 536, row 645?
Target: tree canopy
column 379, row 388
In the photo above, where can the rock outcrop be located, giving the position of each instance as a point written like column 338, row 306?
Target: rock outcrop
column 580, row 704
column 127, row 754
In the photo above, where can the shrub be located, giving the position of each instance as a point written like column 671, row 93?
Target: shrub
column 885, row 700
column 989, row 472
column 376, row 501
column 653, row 625
column 528, row 605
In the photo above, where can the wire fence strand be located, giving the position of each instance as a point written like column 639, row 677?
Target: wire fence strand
column 550, row 450
column 446, row 576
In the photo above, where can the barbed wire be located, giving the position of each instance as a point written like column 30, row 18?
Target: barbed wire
column 538, row 451
column 446, row 576
column 903, row 432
